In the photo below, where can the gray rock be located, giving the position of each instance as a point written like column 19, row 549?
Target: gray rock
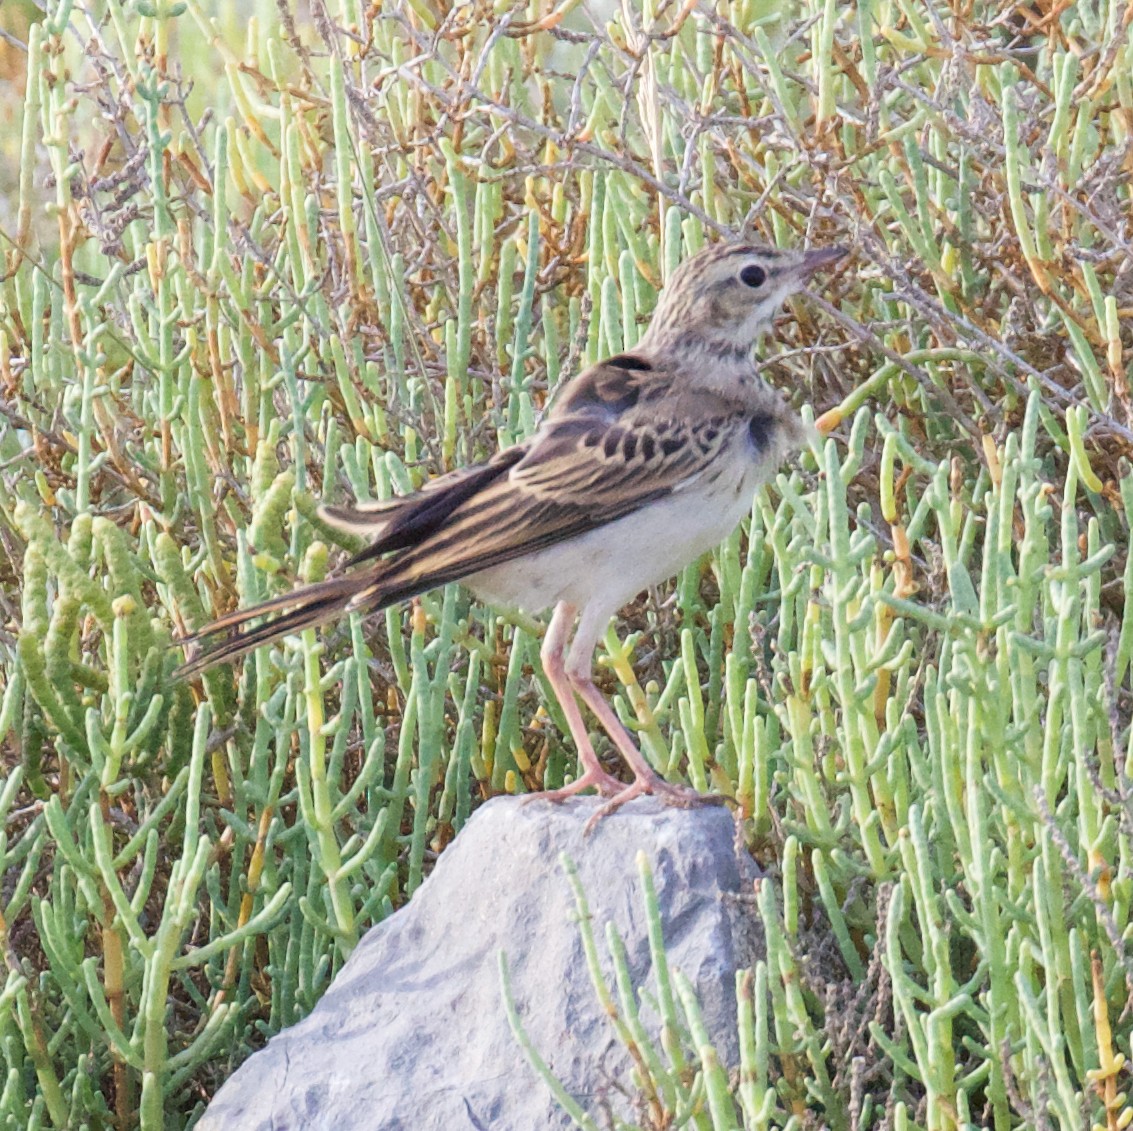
column 413, row 1034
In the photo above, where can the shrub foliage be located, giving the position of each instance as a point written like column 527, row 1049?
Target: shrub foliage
column 257, row 261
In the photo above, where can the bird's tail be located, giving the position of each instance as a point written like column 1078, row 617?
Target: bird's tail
column 311, row 605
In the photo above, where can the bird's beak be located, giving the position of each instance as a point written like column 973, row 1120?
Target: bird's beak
column 818, row 257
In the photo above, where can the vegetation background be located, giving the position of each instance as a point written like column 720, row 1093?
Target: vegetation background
column 259, row 255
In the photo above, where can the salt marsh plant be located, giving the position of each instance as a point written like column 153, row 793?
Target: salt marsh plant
column 257, row 265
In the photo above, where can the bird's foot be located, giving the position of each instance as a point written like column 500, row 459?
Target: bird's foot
column 678, row 796
column 606, row 784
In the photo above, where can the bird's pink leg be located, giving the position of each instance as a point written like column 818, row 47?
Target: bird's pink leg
column 645, row 778
column 553, row 657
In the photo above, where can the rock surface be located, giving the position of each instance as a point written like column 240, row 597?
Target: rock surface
column 413, row 1035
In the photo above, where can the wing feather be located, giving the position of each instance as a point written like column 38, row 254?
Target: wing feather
column 395, row 524
column 582, row 470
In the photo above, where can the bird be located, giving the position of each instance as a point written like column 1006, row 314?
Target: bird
column 642, row 463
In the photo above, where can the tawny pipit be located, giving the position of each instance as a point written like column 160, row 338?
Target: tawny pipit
column 643, row 463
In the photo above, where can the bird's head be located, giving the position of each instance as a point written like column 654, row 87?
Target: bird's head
column 728, row 294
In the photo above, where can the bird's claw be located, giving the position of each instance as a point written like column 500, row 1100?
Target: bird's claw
column 606, row 784
column 677, row 796
column 617, row 793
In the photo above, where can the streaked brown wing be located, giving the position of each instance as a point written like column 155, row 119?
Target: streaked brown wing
column 579, row 473
column 395, row 524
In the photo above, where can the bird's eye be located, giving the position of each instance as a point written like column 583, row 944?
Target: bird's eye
column 753, row 275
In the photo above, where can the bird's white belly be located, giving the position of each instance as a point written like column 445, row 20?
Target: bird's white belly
column 609, row 565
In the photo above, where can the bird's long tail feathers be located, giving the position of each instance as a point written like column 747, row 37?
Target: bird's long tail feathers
column 306, row 607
